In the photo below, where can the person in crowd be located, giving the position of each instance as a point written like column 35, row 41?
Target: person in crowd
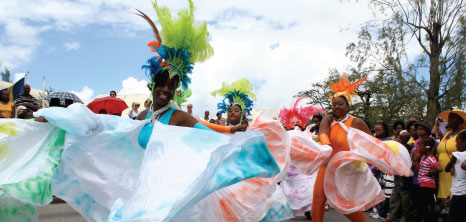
column 212, row 121
column 386, row 181
column 22, row 112
column 457, row 201
column 411, row 127
column 7, row 108
column 55, row 102
column 206, row 115
column 316, row 119
column 456, row 122
column 27, row 100
column 219, row 116
column 381, row 131
column 147, row 103
column 423, row 130
column 189, row 107
column 399, row 199
column 113, row 94
column 68, row 102
column 133, row 114
column 428, row 167
column 398, row 126
column 221, row 121
column 335, row 135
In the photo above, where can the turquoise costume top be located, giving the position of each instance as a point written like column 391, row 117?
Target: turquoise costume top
column 146, row 131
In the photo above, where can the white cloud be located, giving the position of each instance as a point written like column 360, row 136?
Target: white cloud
column 133, row 86
column 72, row 46
column 85, row 94
column 18, row 76
column 285, row 52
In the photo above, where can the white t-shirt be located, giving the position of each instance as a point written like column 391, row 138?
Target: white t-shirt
column 458, row 184
column 133, row 114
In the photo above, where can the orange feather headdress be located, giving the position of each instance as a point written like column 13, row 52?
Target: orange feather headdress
column 345, row 88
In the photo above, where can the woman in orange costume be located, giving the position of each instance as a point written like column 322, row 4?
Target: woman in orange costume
column 333, row 132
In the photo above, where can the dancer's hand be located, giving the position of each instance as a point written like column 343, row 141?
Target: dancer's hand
column 41, row 119
column 241, row 127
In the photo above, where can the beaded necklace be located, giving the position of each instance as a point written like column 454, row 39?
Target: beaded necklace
column 155, row 115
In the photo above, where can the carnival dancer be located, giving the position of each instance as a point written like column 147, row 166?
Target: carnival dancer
column 298, row 186
column 237, row 104
column 333, row 132
column 238, row 101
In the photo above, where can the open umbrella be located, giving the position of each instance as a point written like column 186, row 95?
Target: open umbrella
column 111, row 105
column 63, row 96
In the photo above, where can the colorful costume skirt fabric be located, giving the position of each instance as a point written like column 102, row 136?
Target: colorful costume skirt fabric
column 306, row 157
column 349, row 184
column 95, row 164
column 106, row 176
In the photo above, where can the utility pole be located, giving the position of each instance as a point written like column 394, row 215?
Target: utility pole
column 43, row 90
column 26, row 80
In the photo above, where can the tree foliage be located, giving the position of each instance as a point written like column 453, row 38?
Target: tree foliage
column 6, row 77
column 438, row 30
column 413, row 60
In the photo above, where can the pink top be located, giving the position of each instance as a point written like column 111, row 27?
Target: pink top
column 427, row 163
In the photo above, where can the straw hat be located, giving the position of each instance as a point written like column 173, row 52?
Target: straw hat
column 458, row 112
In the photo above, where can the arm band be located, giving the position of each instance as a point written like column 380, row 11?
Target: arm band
column 216, row 127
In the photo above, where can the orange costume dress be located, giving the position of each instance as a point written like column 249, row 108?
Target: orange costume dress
column 339, row 142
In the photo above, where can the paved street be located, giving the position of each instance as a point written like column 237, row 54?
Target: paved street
column 64, row 213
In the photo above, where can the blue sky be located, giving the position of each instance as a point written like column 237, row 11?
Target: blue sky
column 98, row 57
column 92, row 47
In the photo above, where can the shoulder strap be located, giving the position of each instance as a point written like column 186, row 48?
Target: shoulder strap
column 342, row 122
column 148, row 114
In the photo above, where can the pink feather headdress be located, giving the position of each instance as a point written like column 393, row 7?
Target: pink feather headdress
column 297, row 114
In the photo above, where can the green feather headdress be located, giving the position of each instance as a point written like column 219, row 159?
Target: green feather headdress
column 181, row 43
column 238, row 93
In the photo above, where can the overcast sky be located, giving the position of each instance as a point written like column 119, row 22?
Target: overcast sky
column 94, row 46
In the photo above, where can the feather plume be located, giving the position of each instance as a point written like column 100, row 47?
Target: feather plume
column 181, row 96
column 345, row 88
column 297, row 114
column 152, row 25
column 184, row 32
column 239, row 92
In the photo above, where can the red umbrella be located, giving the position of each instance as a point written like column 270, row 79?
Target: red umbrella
column 111, row 105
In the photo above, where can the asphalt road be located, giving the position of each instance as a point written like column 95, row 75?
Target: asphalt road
column 63, row 213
